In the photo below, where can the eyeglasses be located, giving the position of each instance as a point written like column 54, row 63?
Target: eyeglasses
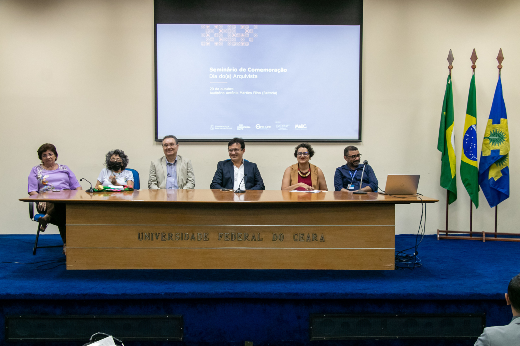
column 303, row 153
column 169, row 145
column 354, row 156
column 234, row 150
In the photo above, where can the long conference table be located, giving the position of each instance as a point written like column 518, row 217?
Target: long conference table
column 213, row 229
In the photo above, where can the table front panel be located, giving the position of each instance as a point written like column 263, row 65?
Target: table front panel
column 228, row 236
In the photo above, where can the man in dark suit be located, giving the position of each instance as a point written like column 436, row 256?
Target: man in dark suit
column 237, row 173
column 510, row 334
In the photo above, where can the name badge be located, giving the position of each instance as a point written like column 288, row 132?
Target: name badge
column 350, row 186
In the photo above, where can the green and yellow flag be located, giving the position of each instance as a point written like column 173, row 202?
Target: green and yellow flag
column 468, row 161
column 446, row 145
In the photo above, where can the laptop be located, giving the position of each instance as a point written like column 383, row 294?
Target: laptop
column 402, row 184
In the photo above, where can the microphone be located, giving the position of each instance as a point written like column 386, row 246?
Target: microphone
column 89, row 190
column 239, row 190
column 359, row 192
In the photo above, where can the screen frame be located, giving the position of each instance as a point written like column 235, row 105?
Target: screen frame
column 302, row 12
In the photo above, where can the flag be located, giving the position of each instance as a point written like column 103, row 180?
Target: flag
column 494, row 159
column 446, row 145
column 468, row 160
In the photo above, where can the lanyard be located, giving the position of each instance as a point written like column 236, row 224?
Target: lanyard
column 352, row 175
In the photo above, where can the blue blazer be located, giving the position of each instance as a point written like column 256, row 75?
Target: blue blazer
column 225, row 175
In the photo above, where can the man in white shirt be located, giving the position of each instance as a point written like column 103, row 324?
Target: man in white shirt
column 237, row 173
column 171, row 171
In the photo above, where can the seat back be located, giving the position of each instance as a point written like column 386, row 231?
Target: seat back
column 33, row 212
column 137, row 182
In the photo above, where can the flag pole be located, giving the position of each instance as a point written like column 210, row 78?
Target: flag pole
column 473, row 59
column 447, row 204
column 444, row 134
column 470, row 219
column 500, row 58
column 496, row 221
column 450, row 67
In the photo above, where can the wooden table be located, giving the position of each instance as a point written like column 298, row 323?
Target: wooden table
column 211, row 229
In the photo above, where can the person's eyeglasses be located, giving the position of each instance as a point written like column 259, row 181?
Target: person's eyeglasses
column 234, row 150
column 116, row 160
column 303, row 153
column 354, row 156
column 169, row 145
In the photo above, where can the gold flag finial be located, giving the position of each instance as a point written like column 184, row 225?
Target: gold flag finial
column 450, row 61
column 500, row 58
column 473, row 59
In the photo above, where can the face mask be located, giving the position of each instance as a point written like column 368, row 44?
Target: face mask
column 114, row 165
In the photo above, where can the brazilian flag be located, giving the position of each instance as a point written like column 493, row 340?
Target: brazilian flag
column 446, row 145
column 494, row 159
column 468, row 162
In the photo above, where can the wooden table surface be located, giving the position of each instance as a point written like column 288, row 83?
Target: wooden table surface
column 217, row 196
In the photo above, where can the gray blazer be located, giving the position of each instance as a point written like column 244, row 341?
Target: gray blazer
column 508, row 335
column 158, row 173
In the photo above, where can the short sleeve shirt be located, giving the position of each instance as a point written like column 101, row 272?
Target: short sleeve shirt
column 41, row 180
column 122, row 178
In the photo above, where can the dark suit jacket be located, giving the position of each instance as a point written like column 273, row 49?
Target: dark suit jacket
column 225, row 175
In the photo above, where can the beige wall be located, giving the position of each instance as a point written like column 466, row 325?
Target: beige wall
column 79, row 74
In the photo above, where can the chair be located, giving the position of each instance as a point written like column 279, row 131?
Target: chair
column 137, row 183
column 36, row 217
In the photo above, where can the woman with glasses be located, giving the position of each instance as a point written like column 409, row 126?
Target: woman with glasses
column 51, row 176
column 114, row 173
column 303, row 176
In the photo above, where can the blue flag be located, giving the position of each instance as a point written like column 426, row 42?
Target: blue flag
column 493, row 173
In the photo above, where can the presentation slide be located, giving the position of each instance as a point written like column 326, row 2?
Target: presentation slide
column 263, row 82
